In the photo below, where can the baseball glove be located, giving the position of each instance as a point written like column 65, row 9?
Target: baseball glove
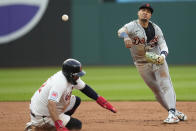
column 154, row 58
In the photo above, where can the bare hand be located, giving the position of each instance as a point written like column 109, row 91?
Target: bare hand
column 128, row 42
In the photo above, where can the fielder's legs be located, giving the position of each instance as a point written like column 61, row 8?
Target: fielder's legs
column 165, row 82
column 164, row 93
column 165, row 85
column 160, row 82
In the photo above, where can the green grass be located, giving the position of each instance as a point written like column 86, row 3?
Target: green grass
column 121, row 83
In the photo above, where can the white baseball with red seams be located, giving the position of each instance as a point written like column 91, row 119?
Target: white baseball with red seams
column 65, row 17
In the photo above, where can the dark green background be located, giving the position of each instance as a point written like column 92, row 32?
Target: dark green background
column 95, row 25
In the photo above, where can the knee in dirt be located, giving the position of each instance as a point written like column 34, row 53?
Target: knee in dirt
column 74, row 124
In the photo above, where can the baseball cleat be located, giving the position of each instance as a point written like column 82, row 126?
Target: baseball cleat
column 172, row 118
column 28, row 127
column 181, row 116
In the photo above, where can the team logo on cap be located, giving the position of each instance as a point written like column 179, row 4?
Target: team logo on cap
column 18, row 17
column 147, row 5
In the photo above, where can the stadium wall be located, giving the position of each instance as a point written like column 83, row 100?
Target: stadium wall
column 95, row 25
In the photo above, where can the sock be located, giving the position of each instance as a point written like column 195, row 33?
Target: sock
column 173, row 110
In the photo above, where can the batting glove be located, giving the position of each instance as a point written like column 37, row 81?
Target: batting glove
column 105, row 104
column 59, row 126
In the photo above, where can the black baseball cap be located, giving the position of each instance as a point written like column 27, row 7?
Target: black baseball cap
column 148, row 6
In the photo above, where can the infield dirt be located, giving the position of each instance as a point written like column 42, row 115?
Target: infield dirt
column 131, row 116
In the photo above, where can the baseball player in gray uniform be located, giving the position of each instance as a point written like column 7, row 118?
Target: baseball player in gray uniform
column 149, row 51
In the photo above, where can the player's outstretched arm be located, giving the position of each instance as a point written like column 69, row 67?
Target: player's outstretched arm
column 87, row 90
column 105, row 104
column 123, row 33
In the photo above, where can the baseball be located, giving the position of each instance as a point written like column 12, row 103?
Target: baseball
column 65, row 17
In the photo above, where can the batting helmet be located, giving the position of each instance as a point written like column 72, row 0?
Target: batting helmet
column 72, row 69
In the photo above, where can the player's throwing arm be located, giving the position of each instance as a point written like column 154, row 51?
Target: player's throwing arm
column 123, row 33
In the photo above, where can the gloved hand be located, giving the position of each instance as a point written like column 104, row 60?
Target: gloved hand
column 59, row 126
column 105, row 104
column 154, row 58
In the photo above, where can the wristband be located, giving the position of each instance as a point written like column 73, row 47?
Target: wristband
column 123, row 35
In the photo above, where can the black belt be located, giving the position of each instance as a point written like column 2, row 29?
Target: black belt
column 142, row 62
column 37, row 116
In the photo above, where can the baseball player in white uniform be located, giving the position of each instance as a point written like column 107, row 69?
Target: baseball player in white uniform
column 149, row 51
column 53, row 103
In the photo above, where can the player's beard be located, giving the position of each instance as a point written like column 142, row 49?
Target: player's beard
column 144, row 20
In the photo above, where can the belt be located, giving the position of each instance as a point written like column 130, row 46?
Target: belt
column 142, row 62
column 37, row 116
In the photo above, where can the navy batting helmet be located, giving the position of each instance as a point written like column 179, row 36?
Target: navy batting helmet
column 72, row 69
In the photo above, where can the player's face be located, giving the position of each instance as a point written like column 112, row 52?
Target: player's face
column 75, row 77
column 144, row 14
